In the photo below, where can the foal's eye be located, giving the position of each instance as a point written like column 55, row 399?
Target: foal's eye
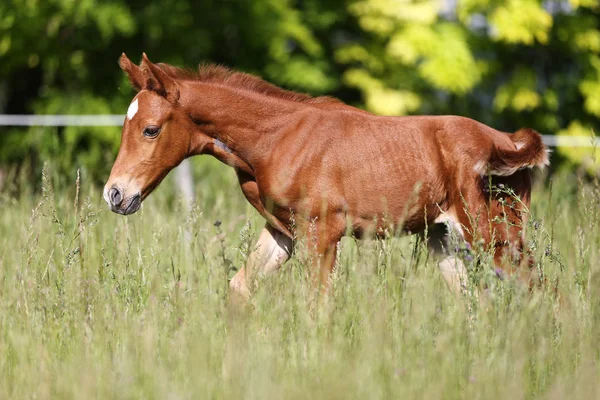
column 151, row 131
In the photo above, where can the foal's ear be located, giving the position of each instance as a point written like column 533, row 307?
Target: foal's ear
column 134, row 73
column 159, row 81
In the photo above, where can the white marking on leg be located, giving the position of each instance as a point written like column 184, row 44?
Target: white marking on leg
column 132, row 110
column 451, row 221
column 271, row 251
column 452, row 268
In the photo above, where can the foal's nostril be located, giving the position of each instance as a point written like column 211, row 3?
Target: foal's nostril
column 115, row 196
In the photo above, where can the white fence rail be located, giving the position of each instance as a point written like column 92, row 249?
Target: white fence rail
column 61, row 120
column 571, row 141
column 117, row 120
column 183, row 173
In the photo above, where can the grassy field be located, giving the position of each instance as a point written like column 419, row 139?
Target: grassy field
column 96, row 305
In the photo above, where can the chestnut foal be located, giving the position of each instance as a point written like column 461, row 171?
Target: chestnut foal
column 321, row 169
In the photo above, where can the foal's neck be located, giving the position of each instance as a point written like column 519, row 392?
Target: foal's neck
column 239, row 121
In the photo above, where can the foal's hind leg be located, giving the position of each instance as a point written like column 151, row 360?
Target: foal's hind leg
column 451, row 267
column 271, row 251
column 496, row 215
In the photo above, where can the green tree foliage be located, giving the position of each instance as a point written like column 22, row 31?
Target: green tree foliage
column 507, row 63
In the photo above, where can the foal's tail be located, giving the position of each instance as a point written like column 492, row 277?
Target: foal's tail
column 530, row 152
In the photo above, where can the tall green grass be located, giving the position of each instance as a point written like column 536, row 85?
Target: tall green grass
column 96, row 305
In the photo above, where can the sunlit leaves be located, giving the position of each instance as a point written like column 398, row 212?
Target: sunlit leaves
column 519, row 93
column 521, row 21
column 441, row 52
column 466, row 8
column 590, row 88
column 408, row 35
column 588, row 40
column 420, row 12
column 300, row 72
column 379, row 98
column 5, row 44
column 585, row 3
column 387, row 101
column 450, row 65
column 407, row 45
column 355, row 53
column 588, row 157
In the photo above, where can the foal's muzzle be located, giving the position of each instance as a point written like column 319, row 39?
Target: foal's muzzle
column 119, row 203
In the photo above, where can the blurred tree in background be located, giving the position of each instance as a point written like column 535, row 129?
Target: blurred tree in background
column 509, row 64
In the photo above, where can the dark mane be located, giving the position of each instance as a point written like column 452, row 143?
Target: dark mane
column 211, row 73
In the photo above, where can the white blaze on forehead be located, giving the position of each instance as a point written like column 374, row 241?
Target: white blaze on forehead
column 132, row 110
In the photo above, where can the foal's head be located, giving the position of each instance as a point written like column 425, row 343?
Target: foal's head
column 156, row 137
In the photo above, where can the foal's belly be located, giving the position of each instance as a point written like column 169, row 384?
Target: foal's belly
column 383, row 224
column 410, row 211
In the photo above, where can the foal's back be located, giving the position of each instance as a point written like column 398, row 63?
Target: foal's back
column 403, row 169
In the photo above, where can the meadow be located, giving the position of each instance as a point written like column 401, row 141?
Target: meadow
column 97, row 305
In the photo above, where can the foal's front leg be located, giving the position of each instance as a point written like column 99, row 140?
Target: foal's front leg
column 271, row 251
